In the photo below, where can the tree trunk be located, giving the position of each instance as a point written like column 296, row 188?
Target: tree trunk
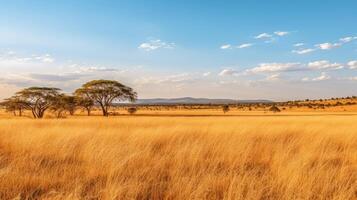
column 88, row 111
column 104, row 110
column 40, row 114
column 34, row 113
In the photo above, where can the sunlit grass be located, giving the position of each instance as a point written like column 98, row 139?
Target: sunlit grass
column 286, row 157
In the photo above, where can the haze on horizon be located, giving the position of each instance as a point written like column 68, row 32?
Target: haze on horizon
column 233, row 49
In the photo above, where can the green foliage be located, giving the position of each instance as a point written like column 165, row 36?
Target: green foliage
column 85, row 102
column 14, row 104
column 38, row 99
column 64, row 103
column 106, row 92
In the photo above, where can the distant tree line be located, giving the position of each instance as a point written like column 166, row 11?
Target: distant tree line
column 38, row 100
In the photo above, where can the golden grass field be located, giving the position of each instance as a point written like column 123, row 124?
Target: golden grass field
column 201, row 157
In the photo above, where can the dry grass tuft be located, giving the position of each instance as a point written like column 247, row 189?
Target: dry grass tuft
column 179, row 158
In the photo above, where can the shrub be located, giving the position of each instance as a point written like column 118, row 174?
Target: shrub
column 225, row 108
column 132, row 110
column 274, row 109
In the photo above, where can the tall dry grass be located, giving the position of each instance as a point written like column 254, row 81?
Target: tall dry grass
column 179, row 158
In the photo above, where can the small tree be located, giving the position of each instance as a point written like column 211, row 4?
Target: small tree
column 274, row 109
column 59, row 106
column 70, row 103
column 38, row 99
column 14, row 104
column 105, row 92
column 64, row 103
column 85, row 103
column 225, row 108
column 132, row 110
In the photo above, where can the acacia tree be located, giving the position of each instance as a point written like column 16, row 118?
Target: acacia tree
column 70, row 103
column 85, row 102
column 105, row 92
column 38, row 99
column 14, row 104
column 64, row 103
column 58, row 106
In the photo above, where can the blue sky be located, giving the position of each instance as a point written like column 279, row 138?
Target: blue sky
column 276, row 50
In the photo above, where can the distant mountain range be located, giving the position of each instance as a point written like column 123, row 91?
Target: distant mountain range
column 191, row 100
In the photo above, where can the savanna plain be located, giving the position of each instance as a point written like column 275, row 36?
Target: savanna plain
column 256, row 156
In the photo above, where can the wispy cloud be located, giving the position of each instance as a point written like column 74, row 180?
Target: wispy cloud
column 322, row 77
column 273, row 77
column 228, row 72
column 11, row 58
column 275, row 67
column 303, row 51
column 299, row 44
column 156, row 44
column 206, row 74
column 263, row 36
column 281, row 33
column 266, row 68
column 241, row 46
column 348, row 39
column 269, row 37
column 352, row 64
column 332, row 45
column 328, row 46
column 81, row 69
column 246, row 45
column 55, row 77
column 324, row 65
column 226, row 46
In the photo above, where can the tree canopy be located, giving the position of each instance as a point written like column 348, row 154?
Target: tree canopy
column 38, row 99
column 106, row 92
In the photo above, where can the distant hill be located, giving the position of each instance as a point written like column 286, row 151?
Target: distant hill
column 191, row 100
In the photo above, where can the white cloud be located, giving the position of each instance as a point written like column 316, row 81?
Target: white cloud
column 11, row 59
column 206, row 74
column 273, row 77
column 80, row 69
column 299, row 44
column 281, row 33
column 244, row 45
column 348, row 39
column 303, row 51
column 45, row 58
column 156, row 44
column 328, row 46
column 275, row 67
column 263, row 36
column 228, row 72
column 324, row 64
column 322, row 77
column 352, row 64
column 226, row 46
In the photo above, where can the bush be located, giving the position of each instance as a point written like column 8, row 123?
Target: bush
column 225, row 108
column 274, row 109
column 132, row 110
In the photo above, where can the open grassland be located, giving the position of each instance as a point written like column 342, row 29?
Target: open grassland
column 131, row 157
